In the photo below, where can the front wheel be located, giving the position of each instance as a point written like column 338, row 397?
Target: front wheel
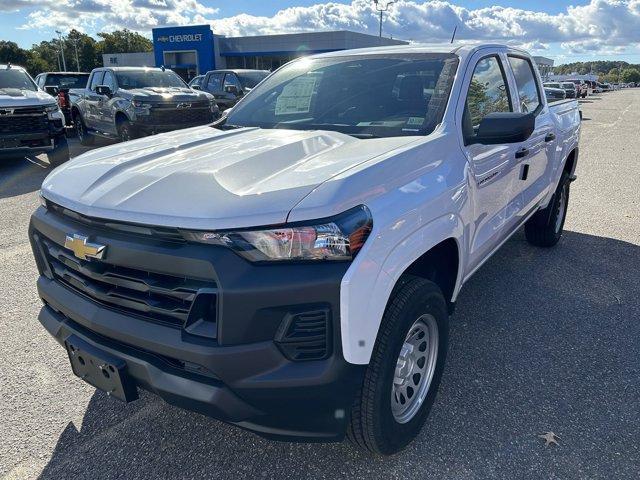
column 402, row 379
column 83, row 135
column 125, row 131
column 545, row 227
column 60, row 152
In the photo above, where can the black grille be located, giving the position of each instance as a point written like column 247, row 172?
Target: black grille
column 157, row 297
column 194, row 115
column 306, row 335
column 26, row 120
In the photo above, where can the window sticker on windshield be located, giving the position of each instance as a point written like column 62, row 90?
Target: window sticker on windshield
column 415, row 121
column 296, row 96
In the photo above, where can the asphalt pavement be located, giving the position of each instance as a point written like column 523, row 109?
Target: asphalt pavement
column 541, row 341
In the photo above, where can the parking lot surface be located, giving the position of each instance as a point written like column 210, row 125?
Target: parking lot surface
column 542, row 340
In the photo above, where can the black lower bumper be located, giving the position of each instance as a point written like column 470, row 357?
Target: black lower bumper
column 30, row 143
column 243, row 377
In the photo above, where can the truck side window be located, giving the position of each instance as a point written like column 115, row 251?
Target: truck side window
column 96, row 80
column 488, row 93
column 231, row 79
column 528, row 90
column 214, row 83
column 109, row 80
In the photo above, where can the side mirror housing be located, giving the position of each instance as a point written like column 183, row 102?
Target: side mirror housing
column 232, row 89
column 505, row 127
column 195, row 87
column 51, row 90
column 103, row 90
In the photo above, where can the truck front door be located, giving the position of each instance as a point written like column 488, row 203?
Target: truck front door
column 106, row 107
column 491, row 167
column 91, row 100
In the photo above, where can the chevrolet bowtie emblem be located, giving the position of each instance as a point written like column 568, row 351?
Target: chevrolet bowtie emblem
column 82, row 248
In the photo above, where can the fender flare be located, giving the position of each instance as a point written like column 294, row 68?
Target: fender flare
column 363, row 301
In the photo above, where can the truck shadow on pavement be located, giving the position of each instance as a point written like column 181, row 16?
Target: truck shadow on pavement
column 22, row 175
column 542, row 340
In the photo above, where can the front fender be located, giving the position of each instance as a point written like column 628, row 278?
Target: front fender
column 367, row 285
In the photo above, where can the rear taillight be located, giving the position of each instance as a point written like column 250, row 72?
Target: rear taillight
column 62, row 100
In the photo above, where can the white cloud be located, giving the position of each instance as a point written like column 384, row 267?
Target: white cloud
column 599, row 26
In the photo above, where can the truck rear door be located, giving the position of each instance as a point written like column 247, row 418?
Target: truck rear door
column 537, row 152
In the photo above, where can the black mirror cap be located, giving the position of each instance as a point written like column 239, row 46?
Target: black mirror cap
column 195, row 87
column 505, row 127
column 51, row 90
column 103, row 90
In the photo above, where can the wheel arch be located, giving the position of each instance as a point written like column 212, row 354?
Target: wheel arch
column 434, row 251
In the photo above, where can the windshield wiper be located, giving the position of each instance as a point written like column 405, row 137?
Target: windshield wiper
column 363, row 135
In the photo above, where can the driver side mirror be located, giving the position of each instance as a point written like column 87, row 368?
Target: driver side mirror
column 232, row 89
column 196, row 87
column 51, row 90
column 505, row 127
column 103, row 90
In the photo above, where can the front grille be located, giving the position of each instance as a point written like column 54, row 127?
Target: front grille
column 305, row 335
column 153, row 296
column 25, row 120
column 171, row 115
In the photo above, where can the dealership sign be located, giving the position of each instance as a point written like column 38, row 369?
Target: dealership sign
column 187, row 37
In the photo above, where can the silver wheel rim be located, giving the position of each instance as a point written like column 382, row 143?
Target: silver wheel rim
column 79, row 130
column 562, row 205
column 415, row 367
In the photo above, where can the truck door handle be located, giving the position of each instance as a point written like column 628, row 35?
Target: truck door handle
column 550, row 137
column 523, row 152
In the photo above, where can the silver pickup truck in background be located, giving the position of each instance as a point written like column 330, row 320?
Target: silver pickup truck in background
column 130, row 102
column 292, row 269
column 30, row 119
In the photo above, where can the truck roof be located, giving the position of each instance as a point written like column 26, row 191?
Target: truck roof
column 17, row 67
column 130, row 69
column 64, row 73
column 459, row 48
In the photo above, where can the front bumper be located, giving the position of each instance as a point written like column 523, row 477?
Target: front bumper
column 33, row 143
column 242, row 377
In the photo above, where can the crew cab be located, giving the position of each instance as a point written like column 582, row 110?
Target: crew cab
column 58, row 84
column 30, row 120
column 129, row 102
column 229, row 86
column 292, row 269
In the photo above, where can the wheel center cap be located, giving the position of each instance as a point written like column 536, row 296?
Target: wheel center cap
column 405, row 364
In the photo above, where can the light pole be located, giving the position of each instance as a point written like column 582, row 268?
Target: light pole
column 64, row 63
column 380, row 9
column 75, row 46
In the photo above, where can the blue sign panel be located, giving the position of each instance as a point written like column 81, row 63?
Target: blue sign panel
column 187, row 48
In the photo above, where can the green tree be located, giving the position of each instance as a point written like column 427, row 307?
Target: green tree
column 123, row 41
column 86, row 48
column 10, row 52
column 630, row 75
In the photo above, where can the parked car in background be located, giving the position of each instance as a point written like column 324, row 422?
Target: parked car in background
column 58, row 85
column 570, row 89
column 582, row 88
column 229, row 86
column 30, row 120
column 292, row 271
column 129, row 102
column 606, row 87
column 554, row 94
column 196, row 82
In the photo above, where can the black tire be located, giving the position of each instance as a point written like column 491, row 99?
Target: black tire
column 372, row 425
column 85, row 138
column 126, row 131
column 60, row 152
column 545, row 227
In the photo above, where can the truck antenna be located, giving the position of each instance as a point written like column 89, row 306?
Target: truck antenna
column 454, row 33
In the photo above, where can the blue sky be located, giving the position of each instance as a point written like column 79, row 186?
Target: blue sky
column 563, row 29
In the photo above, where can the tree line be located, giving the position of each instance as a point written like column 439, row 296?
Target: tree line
column 81, row 51
column 608, row 71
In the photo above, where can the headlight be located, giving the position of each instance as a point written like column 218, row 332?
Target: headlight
column 51, row 108
column 339, row 238
column 139, row 104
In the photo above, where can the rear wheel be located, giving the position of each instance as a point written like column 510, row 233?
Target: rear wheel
column 404, row 373
column 545, row 227
column 60, row 152
column 125, row 131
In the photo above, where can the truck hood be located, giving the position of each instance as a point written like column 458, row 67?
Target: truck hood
column 204, row 178
column 14, row 97
column 165, row 94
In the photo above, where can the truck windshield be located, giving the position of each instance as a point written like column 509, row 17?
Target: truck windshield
column 15, row 78
column 362, row 95
column 67, row 80
column 149, row 78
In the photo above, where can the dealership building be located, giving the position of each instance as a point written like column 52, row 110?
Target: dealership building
column 195, row 49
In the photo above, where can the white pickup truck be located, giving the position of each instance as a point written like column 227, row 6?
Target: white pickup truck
column 292, row 268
